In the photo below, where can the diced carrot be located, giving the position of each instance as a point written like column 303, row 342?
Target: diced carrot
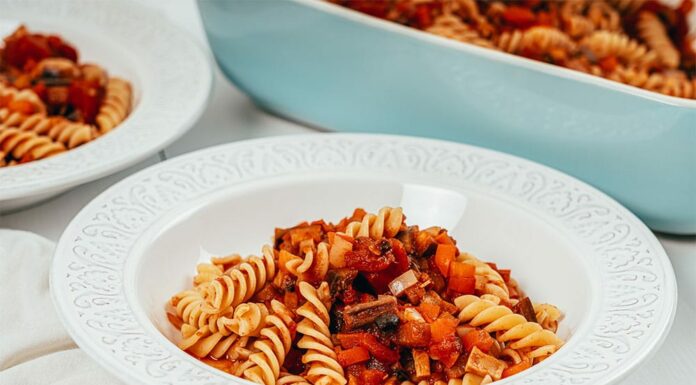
column 378, row 350
column 444, row 238
column 429, row 311
column 350, row 340
column 478, row 338
column 443, row 327
column 461, row 278
column 514, row 369
column 444, row 255
column 353, row 356
column 283, row 259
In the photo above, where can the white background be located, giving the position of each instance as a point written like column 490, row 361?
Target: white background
column 230, row 116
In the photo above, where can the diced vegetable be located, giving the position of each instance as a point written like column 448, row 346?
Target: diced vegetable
column 444, row 255
column 355, row 316
column 505, row 273
column 444, row 238
column 283, row 258
column 526, row 309
column 421, row 362
column 461, row 278
column 514, row 369
column 372, row 377
column 478, row 339
column 443, row 328
column 483, row 364
column 366, row 256
column 352, row 356
column 340, row 245
column 369, row 342
column 447, row 350
column 519, row 17
column 429, row 311
column 414, row 334
column 403, row 282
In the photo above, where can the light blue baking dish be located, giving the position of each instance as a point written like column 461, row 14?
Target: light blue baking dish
column 338, row 69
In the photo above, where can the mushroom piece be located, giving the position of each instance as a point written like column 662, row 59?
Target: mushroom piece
column 359, row 315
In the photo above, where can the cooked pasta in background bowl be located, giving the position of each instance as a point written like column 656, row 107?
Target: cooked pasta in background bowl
column 461, row 265
column 79, row 100
column 602, row 90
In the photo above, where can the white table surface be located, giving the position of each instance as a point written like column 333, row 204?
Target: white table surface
column 230, row 116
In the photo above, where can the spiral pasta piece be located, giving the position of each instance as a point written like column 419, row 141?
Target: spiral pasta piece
column 538, row 39
column 241, row 282
column 316, row 338
column 672, row 83
column 451, row 27
column 116, row 105
column 315, row 260
column 654, row 33
column 515, row 329
column 272, row 346
column 471, row 379
column 71, row 134
column 605, row 43
column 292, row 379
column 547, row 316
column 386, row 223
column 27, row 146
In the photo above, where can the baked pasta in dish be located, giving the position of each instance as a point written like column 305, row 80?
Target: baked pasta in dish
column 50, row 102
column 641, row 43
column 367, row 301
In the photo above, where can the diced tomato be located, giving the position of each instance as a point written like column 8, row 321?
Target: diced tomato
column 369, row 342
column 372, row 377
column 423, row 18
column 608, row 63
column 461, row 278
column 367, row 256
column 442, row 328
column 505, row 273
column 429, row 311
column 399, row 264
column 480, row 339
column 86, row 97
column 444, row 255
column 353, row 356
column 350, row 295
column 519, row 17
column 446, row 351
column 514, row 369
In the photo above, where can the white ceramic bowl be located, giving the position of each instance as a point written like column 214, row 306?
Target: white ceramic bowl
column 170, row 73
column 135, row 245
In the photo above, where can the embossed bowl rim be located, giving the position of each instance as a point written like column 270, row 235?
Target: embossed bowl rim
column 593, row 359
column 166, row 109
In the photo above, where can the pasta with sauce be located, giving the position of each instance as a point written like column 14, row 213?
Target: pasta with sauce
column 622, row 40
column 369, row 300
column 60, row 102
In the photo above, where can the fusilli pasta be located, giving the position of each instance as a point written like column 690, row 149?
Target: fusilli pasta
column 403, row 306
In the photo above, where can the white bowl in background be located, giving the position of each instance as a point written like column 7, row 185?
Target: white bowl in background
column 171, row 76
column 131, row 248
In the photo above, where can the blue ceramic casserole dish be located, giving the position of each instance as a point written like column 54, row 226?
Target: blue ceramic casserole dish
column 335, row 68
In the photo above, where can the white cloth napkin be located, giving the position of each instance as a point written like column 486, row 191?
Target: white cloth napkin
column 35, row 349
